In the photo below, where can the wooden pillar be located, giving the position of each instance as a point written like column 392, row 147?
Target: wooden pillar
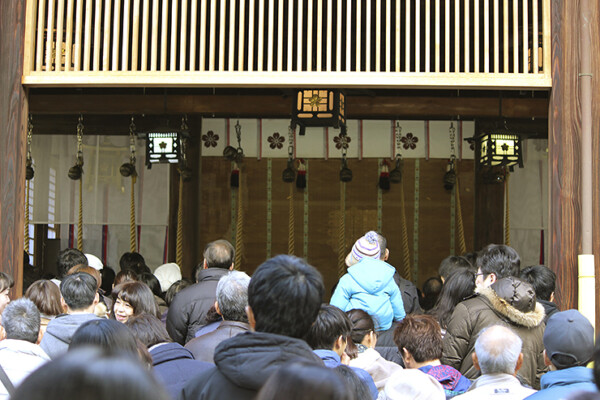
column 564, row 142
column 13, row 119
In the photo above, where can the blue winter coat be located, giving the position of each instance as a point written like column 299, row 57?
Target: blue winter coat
column 559, row 384
column 369, row 285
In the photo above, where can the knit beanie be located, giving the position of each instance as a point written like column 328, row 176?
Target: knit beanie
column 167, row 274
column 366, row 246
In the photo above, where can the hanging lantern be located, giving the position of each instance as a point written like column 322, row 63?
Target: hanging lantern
column 164, row 145
column 319, row 107
column 500, row 149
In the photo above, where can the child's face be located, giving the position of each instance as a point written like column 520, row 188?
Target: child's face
column 4, row 299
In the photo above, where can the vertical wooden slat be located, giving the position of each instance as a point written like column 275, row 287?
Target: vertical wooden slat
column 309, row 35
column 319, row 30
column 116, row 24
column 496, row 38
column 270, row 34
column 251, row 35
column 476, row 35
column 135, row 35
column 427, row 35
column 280, row 36
column 193, row 32
column 242, row 32
column 329, row 45
column 261, row 35
column 515, row 37
column 145, row 22
column 377, row 35
column 358, row 36
column 30, row 33
column 417, row 35
column 368, row 36
column 69, row 38
column 546, row 31
column 467, row 39
column 106, row 39
column 232, row 33
column 525, row 36
column 407, row 52
column 87, row 42
column 183, row 32
column 348, row 36
column 60, row 25
column 203, row 12
column 299, row 36
column 154, row 43
column 447, row 35
column 505, row 43
column 213, row 35
column 41, row 19
column 486, row 36
column 174, row 29
column 126, row 32
column 49, row 34
column 437, row 36
column 388, row 35
column 97, row 30
column 78, row 38
column 535, row 47
column 398, row 26
column 222, row 36
column 290, row 36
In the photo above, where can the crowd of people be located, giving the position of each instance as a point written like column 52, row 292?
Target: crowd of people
column 484, row 328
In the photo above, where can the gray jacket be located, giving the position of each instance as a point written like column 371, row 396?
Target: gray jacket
column 60, row 331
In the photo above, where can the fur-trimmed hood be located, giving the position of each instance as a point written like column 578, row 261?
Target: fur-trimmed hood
column 515, row 300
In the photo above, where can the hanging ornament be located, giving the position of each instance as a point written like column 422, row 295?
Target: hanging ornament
column 289, row 174
column 450, row 175
column 301, row 176
column 29, row 163
column 236, row 156
column 345, row 172
column 184, row 171
column 234, row 180
column 128, row 169
column 396, row 173
column 76, row 171
column 384, row 176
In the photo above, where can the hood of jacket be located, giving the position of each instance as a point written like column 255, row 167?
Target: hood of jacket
column 371, row 274
column 165, row 352
column 22, row 347
column 515, row 301
column 566, row 377
column 249, row 358
column 63, row 327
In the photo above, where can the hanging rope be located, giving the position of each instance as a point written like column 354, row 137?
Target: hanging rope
column 239, row 228
column 506, row 212
column 342, row 232
column 80, row 217
column 28, row 176
column 179, row 246
column 27, row 248
column 405, row 252
column 462, row 247
column 132, row 233
column 291, row 222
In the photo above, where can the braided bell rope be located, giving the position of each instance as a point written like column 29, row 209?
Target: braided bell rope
column 291, row 222
column 179, row 246
column 132, row 235
column 342, row 232
column 462, row 247
column 239, row 227
column 80, row 217
column 506, row 213
column 26, row 243
column 406, row 272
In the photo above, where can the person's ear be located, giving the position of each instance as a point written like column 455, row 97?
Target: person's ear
column 552, row 297
column 519, row 363
column 96, row 299
column 475, row 361
column 547, row 361
column 204, row 264
column 493, row 279
column 217, row 308
column 40, row 336
column 63, row 304
column 251, row 320
column 387, row 255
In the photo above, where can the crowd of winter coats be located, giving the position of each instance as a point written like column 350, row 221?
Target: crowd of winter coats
column 484, row 328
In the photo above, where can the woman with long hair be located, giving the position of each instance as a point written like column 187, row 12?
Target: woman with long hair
column 133, row 298
column 459, row 285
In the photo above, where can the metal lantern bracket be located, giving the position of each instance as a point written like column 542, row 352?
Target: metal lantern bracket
column 319, row 108
column 165, row 144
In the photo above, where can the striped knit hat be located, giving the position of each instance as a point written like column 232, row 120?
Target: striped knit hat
column 366, row 246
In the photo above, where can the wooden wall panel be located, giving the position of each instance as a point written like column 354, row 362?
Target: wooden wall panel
column 13, row 118
column 595, row 55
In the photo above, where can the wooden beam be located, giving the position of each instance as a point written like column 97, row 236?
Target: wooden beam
column 13, row 114
column 255, row 106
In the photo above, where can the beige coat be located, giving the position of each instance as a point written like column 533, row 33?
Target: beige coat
column 378, row 367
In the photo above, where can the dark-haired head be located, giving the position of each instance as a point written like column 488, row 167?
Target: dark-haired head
column 79, row 291
column 500, row 260
column 107, row 334
column 420, row 336
column 91, row 374
column 459, row 285
column 127, row 275
column 543, row 280
column 67, row 259
column 108, row 278
column 148, row 329
column 331, row 326
column 431, row 290
column 300, row 381
column 133, row 261
column 362, row 327
column 353, row 382
column 134, row 295
column 88, row 270
column 174, row 289
column 46, row 296
column 285, row 295
column 152, row 282
column 451, row 264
